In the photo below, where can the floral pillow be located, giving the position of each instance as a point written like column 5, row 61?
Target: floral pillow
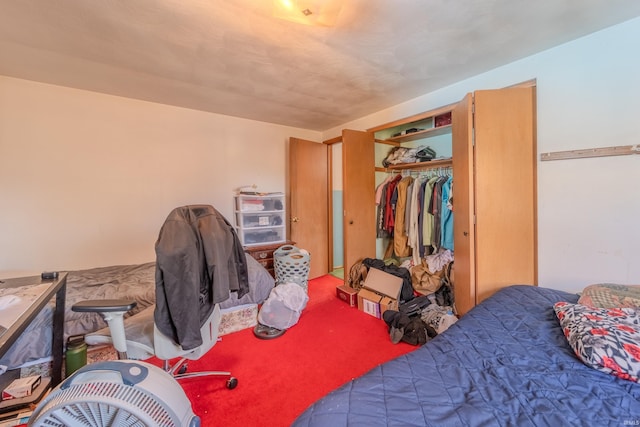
column 607, row 339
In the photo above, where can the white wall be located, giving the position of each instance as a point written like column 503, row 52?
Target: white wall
column 87, row 179
column 588, row 97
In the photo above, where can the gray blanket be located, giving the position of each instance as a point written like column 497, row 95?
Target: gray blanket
column 136, row 282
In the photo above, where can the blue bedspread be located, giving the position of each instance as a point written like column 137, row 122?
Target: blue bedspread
column 504, row 363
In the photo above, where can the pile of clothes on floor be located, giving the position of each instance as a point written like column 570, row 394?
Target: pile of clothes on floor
column 426, row 305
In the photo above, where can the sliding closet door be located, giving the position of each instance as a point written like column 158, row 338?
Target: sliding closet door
column 308, row 201
column 358, row 185
column 463, row 205
column 505, row 189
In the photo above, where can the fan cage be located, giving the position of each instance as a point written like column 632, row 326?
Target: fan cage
column 86, row 404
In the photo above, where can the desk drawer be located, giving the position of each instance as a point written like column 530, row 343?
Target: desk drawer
column 266, row 263
column 262, row 255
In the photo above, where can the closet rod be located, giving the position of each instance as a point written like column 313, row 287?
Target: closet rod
column 619, row 150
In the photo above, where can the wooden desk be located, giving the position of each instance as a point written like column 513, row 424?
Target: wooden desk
column 57, row 287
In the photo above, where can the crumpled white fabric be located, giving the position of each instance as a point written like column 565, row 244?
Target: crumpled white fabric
column 283, row 307
column 439, row 318
column 439, row 260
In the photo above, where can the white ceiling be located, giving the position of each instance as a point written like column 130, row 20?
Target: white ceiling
column 231, row 57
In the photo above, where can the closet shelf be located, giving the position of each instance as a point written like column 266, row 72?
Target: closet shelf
column 432, row 164
column 427, row 133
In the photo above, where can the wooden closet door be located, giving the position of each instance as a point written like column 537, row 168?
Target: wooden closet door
column 309, row 201
column 505, row 189
column 463, row 205
column 358, row 196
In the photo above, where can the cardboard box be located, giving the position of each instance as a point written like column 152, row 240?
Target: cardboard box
column 380, row 292
column 21, row 387
column 347, row 294
column 369, row 302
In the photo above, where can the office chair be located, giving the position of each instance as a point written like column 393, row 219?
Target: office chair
column 138, row 338
column 199, row 261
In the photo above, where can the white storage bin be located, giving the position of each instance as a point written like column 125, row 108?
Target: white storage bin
column 260, row 219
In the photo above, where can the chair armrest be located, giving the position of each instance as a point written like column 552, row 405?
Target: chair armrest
column 112, row 311
column 104, row 305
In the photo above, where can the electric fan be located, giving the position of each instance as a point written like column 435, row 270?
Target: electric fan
column 123, row 393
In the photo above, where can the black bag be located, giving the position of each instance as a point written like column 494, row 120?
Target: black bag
column 425, row 154
column 414, row 306
column 444, row 296
column 412, row 330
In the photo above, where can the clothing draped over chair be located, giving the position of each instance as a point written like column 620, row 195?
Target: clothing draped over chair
column 199, row 262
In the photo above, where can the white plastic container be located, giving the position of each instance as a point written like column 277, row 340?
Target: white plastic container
column 260, row 218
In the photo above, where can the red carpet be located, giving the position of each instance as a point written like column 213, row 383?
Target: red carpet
column 279, row 378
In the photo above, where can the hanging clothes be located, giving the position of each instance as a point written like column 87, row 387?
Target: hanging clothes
column 421, row 216
column 381, row 203
column 446, row 220
column 389, row 208
column 400, row 238
column 407, row 208
column 437, row 207
column 415, row 213
column 429, row 220
column 413, row 231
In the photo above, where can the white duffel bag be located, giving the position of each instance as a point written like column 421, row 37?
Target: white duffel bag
column 283, row 307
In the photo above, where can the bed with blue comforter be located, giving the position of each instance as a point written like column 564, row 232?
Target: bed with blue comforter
column 505, row 363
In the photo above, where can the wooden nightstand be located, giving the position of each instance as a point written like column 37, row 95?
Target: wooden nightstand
column 264, row 254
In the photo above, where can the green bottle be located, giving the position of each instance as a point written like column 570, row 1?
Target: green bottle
column 76, row 354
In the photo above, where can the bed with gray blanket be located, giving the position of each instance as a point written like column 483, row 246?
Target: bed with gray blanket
column 135, row 282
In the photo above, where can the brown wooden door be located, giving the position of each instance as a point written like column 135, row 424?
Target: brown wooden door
column 463, row 205
column 308, row 201
column 358, row 197
column 505, row 189
column 494, row 193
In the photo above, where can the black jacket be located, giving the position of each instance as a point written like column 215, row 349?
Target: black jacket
column 199, row 261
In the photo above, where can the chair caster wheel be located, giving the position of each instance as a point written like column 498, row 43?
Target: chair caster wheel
column 232, row 383
column 183, row 369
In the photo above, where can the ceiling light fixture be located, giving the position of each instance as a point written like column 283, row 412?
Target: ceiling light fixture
column 308, row 12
